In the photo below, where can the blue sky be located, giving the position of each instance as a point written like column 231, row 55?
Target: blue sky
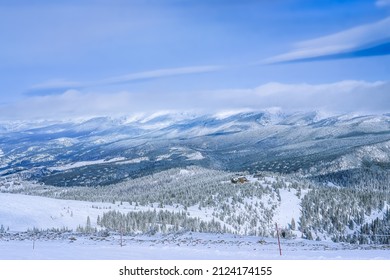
column 86, row 58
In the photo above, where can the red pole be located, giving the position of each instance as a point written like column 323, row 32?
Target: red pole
column 277, row 232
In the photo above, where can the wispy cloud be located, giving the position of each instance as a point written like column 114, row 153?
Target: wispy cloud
column 155, row 74
column 364, row 40
column 59, row 85
column 382, row 3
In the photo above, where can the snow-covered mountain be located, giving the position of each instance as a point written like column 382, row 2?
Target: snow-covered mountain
column 235, row 141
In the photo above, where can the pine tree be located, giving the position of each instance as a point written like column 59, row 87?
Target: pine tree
column 293, row 226
column 88, row 227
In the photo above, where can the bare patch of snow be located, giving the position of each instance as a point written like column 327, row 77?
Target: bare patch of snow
column 134, row 160
column 226, row 114
column 65, row 141
column 195, row 156
column 85, row 163
column 162, row 157
column 289, row 208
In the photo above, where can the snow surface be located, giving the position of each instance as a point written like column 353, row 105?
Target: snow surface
column 229, row 113
column 289, row 208
column 65, row 141
column 23, row 212
column 195, row 156
column 183, row 246
column 134, row 160
column 162, row 157
column 85, row 163
column 188, row 153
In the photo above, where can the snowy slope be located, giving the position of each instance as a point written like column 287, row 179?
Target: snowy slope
column 289, row 207
column 21, row 212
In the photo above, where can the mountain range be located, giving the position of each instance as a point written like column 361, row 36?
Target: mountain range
column 104, row 150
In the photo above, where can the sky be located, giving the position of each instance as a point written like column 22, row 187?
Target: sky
column 65, row 59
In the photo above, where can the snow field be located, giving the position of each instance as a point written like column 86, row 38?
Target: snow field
column 188, row 246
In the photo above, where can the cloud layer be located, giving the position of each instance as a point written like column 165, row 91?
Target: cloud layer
column 343, row 96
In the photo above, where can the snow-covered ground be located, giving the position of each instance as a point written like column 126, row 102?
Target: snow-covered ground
column 289, row 208
column 86, row 163
column 22, row 212
column 185, row 246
